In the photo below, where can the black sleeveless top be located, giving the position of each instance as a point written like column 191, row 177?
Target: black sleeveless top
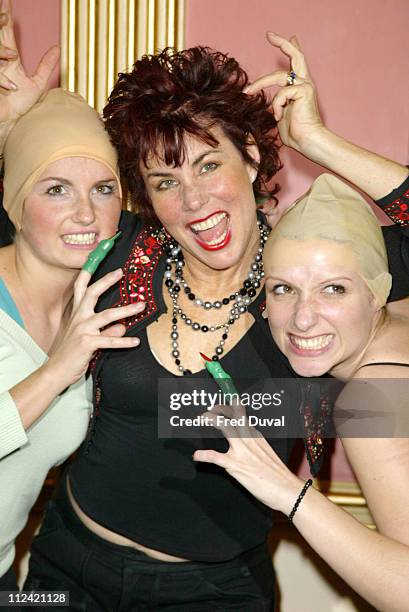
column 149, row 489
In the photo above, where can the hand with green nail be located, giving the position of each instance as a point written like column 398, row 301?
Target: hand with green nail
column 87, row 331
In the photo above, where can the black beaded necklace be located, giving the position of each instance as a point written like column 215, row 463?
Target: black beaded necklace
column 240, row 299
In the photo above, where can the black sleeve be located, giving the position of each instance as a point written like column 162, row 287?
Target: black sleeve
column 129, row 225
column 396, row 206
column 397, row 246
column 6, row 227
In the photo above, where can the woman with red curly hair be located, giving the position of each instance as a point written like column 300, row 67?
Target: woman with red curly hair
column 154, row 111
column 136, row 525
column 145, row 525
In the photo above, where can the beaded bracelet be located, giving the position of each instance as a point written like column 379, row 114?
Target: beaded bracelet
column 299, row 498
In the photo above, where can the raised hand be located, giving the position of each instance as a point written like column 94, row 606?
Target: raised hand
column 87, row 331
column 18, row 90
column 295, row 106
column 252, row 461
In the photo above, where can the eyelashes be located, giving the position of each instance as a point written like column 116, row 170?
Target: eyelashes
column 166, row 184
column 103, row 189
column 331, row 289
column 56, row 190
column 334, row 289
column 281, row 289
column 169, row 183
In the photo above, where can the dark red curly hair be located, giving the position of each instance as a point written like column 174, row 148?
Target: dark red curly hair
column 171, row 94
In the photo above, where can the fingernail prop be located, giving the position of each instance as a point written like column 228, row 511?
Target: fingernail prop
column 99, row 254
column 223, row 379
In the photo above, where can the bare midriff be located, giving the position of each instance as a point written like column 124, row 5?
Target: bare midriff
column 116, row 538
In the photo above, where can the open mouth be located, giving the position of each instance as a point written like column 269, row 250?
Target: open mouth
column 312, row 345
column 88, row 239
column 213, row 232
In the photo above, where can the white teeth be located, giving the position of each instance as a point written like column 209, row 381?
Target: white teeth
column 219, row 239
column 312, row 344
column 79, row 238
column 208, row 223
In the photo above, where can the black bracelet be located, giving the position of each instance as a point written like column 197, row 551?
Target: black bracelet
column 299, row 498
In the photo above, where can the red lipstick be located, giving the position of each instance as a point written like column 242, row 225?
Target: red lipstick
column 215, row 247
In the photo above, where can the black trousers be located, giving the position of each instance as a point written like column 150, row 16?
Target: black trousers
column 102, row 576
column 8, row 582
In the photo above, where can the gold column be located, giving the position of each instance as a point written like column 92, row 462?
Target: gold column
column 100, row 38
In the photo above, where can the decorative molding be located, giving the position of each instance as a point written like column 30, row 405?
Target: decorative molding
column 100, row 38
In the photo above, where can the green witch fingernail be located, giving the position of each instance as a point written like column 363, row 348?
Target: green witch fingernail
column 99, row 254
column 223, row 379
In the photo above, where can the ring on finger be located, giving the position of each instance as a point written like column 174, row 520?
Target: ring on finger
column 291, row 76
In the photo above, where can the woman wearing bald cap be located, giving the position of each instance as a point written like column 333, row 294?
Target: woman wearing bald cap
column 62, row 194
column 327, row 282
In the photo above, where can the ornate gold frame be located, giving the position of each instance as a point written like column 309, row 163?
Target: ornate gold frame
column 100, row 38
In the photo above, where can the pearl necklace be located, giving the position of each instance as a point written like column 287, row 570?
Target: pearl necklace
column 241, row 299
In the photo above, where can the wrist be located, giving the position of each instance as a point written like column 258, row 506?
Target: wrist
column 300, row 499
column 319, row 144
column 293, row 490
column 54, row 377
column 5, row 129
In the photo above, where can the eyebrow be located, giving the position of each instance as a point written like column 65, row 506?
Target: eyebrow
column 203, row 155
column 324, row 282
column 196, row 162
column 55, row 178
column 337, row 278
column 66, row 181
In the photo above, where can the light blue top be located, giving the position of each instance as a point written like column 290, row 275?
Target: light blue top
column 8, row 305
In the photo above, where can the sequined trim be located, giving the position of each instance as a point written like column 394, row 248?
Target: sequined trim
column 137, row 282
column 97, row 397
column 315, row 428
column 94, row 417
column 398, row 211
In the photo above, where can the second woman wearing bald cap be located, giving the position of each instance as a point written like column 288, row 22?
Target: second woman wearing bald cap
column 327, row 282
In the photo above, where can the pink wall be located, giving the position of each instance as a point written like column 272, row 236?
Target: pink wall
column 357, row 52
column 37, row 27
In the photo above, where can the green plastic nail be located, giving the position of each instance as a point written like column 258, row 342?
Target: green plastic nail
column 99, row 254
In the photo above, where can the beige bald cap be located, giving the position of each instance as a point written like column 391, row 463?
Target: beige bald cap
column 331, row 210
column 61, row 124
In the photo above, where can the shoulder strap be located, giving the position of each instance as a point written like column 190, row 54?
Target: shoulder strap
column 397, row 363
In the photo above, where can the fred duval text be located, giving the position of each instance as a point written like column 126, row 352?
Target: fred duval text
column 220, row 420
